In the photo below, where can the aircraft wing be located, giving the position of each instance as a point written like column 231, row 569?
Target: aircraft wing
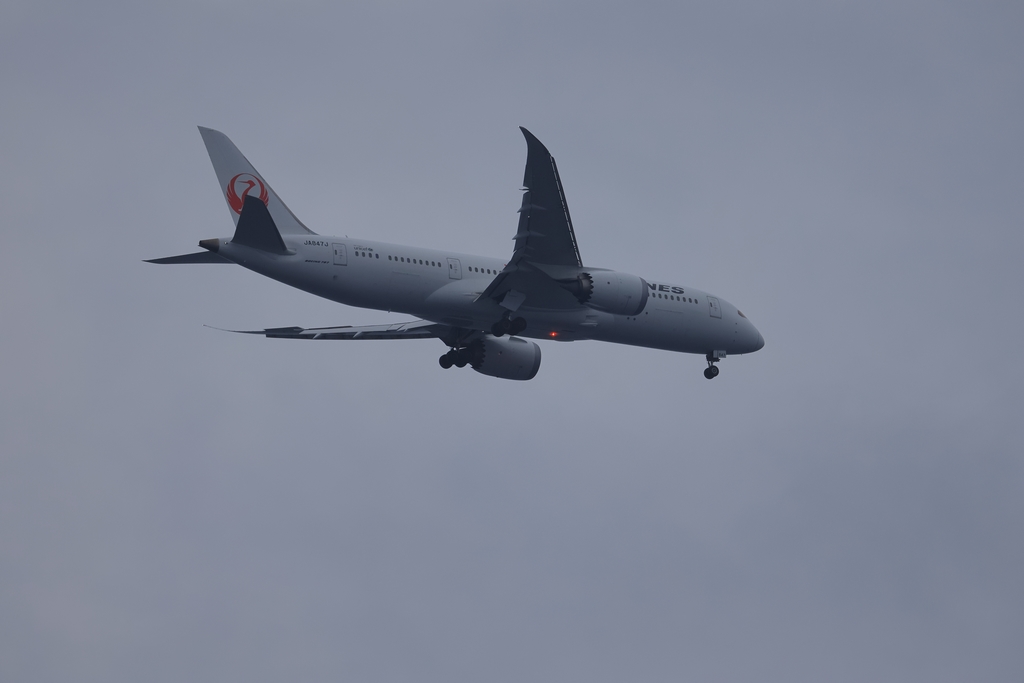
column 545, row 233
column 545, row 241
column 417, row 329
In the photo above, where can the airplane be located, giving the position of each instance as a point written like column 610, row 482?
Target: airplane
column 484, row 309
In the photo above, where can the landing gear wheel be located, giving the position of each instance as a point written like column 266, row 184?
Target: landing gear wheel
column 713, row 357
column 503, row 326
column 516, row 325
column 447, row 360
column 461, row 358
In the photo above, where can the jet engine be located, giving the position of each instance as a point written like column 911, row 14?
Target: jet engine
column 609, row 291
column 505, row 357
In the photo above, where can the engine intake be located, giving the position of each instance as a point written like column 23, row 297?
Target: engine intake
column 609, row 291
column 505, row 357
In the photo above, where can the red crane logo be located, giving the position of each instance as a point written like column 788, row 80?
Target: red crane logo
column 245, row 181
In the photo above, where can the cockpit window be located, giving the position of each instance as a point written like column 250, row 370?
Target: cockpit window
column 741, row 313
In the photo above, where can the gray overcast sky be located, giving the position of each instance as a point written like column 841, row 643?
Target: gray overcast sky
column 847, row 504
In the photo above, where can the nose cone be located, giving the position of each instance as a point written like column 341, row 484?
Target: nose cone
column 751, row 338
column 746, row 338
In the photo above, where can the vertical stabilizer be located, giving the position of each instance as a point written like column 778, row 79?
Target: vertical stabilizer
column 238, row 179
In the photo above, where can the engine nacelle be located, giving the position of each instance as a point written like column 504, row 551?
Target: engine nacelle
column 609, row 291
column 505, row 357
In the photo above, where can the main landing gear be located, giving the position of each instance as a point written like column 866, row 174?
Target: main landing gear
column 457, row 357
column 711, row 371
column 508, row 325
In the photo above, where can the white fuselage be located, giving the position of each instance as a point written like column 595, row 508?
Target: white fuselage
column 443, row 287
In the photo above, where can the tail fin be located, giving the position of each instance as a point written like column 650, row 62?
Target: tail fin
column 238, row 179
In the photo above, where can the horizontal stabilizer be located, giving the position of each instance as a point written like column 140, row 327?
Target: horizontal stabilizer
column 256, row 228
column 198, row 257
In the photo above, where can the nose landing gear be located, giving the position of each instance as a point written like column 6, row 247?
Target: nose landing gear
column 711, row 371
